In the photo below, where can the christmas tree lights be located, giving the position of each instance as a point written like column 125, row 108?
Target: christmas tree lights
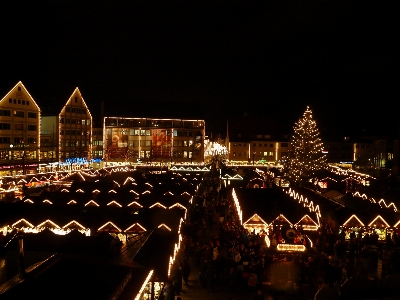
column 305, row 155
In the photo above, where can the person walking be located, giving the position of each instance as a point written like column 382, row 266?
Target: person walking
column 169, row 291
column 186, row 272
column 177, row 279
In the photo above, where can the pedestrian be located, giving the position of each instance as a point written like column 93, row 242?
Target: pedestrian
column 177, row 279
column 169, row 291
column 186, row 272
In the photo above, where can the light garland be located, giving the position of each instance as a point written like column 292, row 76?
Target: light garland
column 291, row 247
column 139, row 294
column 237, row 205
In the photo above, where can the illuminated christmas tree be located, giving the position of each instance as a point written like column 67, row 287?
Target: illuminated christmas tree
column 305, row 156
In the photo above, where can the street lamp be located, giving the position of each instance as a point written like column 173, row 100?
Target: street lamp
column 11, row 156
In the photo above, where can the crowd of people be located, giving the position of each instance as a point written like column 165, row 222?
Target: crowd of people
column 228, row 256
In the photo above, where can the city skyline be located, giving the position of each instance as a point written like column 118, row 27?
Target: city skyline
column 218, row 60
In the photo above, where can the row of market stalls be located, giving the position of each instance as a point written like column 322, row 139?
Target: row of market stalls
column 275, row 214
column 356, row 213
column 115, row 205
column 298, row 212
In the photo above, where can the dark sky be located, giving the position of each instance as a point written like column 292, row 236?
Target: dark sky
column 218, row 59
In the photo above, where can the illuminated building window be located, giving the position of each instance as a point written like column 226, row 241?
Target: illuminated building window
column 19, row 114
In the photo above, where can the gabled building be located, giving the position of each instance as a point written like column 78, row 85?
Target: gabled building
column 19, row 131
column 72, row 130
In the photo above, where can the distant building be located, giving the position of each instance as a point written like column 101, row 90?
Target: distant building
column 19, row 131
column 71, row 130
column 97, row 145
column 254, row 140
column 153, row 140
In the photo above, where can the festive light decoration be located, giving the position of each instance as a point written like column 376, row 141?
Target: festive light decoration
column 128, row 179
column 256, row 218
column 79, row 191
column 305, row 155
column 197, row 169
column 109, row 226
column 72, row 202
column 177, row 205
column 281, row 219
column 91, row 203
column 158, row 204
column 136, row 225
column 381, row 203
column 353, row 220
column 168, row 193
column 22, row 222
column 164, row 226
column 295, row 195
column 379, row 220
column 112, row 191
column 116, row 183
column 47, row 201
column 74, row 224
column 134, row 203
column 307, row 223
column 114, row 203
column 48, row 224
column 291, row 247
column 139, row 294
column 237, row 205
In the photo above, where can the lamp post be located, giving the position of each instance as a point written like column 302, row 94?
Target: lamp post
column 11, row 157
column 23, row 158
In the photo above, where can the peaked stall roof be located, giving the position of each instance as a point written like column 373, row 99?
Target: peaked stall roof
column 269, row 203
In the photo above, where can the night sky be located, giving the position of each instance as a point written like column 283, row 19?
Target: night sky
column 213, row 60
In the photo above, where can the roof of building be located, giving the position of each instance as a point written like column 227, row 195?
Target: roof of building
column 70, row 278
column 269, row 203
